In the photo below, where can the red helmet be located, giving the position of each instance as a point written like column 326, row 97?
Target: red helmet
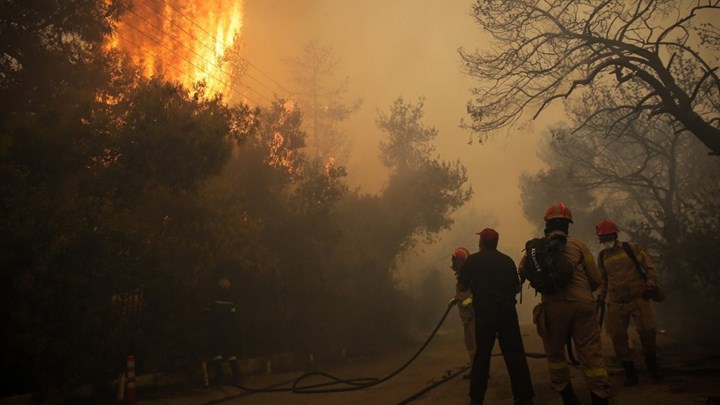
column 461, row 253
column 558, row 210
column 606, row 227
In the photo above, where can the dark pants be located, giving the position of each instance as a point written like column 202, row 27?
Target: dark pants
column 222, row 345
column 222, row 349
column 499, row 319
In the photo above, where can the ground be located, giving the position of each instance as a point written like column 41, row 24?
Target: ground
column 692, row 377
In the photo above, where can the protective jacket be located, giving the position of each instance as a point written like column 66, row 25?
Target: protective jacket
column 464, row 304
column 467, row 318
column 622, row 282
column 571, row 313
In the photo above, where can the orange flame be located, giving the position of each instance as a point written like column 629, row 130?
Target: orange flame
column 184, row 41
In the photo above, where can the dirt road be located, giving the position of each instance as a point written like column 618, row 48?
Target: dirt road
column 692, row 376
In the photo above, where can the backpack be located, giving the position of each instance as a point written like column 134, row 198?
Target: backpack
column 546, row 267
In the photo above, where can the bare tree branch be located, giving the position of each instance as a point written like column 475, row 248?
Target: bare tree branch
column 549, row 50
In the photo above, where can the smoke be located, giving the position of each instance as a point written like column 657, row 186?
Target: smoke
column 409, row 49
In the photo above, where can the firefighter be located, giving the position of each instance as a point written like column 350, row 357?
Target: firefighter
column 572, row 312
column 463, row 300
column 627, row 289
column 223, row 328
column 491, row 277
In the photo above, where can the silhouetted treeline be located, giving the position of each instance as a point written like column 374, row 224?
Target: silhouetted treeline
column 123, row 200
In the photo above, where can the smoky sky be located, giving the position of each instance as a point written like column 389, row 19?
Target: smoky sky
column 406, row 48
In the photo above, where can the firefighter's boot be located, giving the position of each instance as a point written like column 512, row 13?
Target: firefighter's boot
column 568, row 396
column 631, row 378
column 651, row 362
column 596, row 400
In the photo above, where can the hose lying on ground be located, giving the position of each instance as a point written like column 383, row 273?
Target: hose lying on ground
column 351, row 384
column 432, row 386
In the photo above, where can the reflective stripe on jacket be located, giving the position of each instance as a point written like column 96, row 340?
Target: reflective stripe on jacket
column 622, row 281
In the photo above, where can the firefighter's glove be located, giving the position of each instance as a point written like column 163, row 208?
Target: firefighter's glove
column 467, row 302
column 649, row 291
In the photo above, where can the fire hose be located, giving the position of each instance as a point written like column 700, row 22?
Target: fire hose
column 350, row 384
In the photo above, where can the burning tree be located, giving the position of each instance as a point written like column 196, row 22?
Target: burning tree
column 186, row 42
column 543, row 51
column 124, row 197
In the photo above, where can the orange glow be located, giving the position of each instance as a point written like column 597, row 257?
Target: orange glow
column 184, row 41
column 329, row 164
column 281, row 155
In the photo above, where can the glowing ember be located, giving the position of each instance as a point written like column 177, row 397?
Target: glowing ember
column 329, row 164
column 184, row 41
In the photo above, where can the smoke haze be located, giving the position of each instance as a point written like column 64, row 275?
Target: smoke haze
column 406, row 48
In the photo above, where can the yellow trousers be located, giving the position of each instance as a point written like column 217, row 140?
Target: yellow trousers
column 558, row 320
column 618, row 320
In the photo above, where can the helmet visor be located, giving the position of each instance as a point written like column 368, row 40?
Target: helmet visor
column 607, row 238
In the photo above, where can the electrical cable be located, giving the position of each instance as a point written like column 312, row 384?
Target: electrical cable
column 185, row 60
column 230, row 50
column 160, row 30
column 201, row 42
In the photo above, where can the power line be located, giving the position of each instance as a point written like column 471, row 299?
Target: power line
column 179, row 56
column 126, row 39
column 159, row 13
column 189, row 49
column 232, row 51
column 266, row 75
column 215, row 39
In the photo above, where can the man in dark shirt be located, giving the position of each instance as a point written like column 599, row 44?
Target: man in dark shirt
column 492, row 278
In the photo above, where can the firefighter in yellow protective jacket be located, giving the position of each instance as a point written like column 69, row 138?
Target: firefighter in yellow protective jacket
column 571, row 312
column 629, row 283
column 464, row 302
